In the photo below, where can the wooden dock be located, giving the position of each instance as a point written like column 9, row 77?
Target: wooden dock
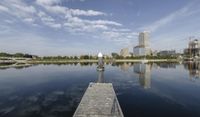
column 99, row 100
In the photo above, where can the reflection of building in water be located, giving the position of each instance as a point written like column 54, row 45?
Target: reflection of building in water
column 193, row 48
column 167, row 53
column 167, row 65
column 194, row 69
column 144, row 71
column 125, row 66
column 155, row 66
column 100, row 77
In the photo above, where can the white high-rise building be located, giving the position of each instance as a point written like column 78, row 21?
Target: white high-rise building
column 144, row 39
column 143, row 47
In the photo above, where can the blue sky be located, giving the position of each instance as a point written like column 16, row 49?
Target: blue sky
column 74, row 27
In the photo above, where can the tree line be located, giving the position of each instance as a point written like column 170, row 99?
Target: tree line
column 85, row 57
column 19, row 55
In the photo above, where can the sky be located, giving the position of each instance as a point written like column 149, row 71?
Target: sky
column 76, row 27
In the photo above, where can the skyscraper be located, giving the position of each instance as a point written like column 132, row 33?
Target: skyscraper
column 144, row 39
column 142, row 48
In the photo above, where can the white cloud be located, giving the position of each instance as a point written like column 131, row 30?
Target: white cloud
column 29, row 20
column 48, row 20
column 121, row 30
column 53, row 25
column 41, row 14
column 54, row 7
column 121, row 38
column 29, row 13
column 99, row 26
column 24, row 8
column 48, row 2
column 77, row 24
column 9, row 21
column 78, row 12
column 19, row 9
column 3, row 8
column 77, row 20
column 45, row 18
column 75, row 12
column 53, row 15
column 104, row 22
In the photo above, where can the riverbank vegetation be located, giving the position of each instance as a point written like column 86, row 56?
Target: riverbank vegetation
column 82, row 58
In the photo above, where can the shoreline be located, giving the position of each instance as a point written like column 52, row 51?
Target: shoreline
column 36, row 62
column 15, row 66
column 95, row 61
column 88, row 60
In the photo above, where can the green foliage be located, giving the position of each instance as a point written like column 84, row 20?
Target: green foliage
column 84, row 57
column 115, row 55
column 2, row 54
column 18, row 55
column 75, row 58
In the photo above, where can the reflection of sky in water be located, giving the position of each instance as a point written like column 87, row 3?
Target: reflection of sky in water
column 143, row 90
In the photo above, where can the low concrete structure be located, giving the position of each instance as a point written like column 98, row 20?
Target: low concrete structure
column 99, row 100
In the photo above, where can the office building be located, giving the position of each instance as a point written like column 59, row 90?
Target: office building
column 144, row 39
column 143, row 47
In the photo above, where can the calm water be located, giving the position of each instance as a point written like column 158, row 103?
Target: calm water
column 143, row 90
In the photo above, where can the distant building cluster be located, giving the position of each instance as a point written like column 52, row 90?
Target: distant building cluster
column 167, row 53
column 143, row 48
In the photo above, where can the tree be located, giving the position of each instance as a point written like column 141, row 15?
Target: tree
column 75, row 57
column 115, row 55
column 84, row 57
column 18, row 55
column 2, row 54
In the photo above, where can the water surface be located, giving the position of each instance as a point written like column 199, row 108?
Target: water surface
column 143, row 90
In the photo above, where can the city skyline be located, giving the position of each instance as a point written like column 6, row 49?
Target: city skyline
column 74, row 27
